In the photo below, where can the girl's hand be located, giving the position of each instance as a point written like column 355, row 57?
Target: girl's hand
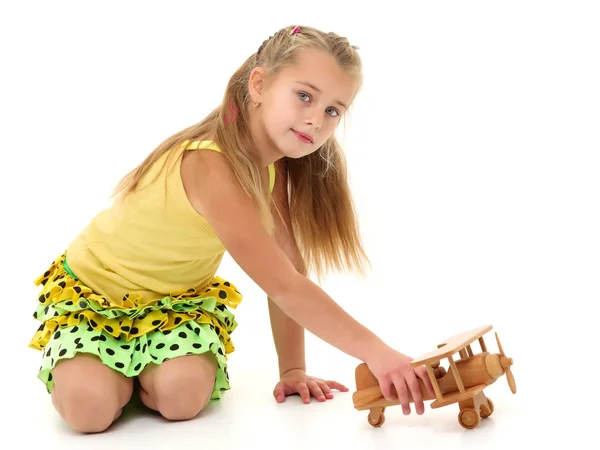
column 398, row 380
column 296, row 381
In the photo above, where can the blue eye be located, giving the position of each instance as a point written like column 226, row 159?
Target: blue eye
column 304, row 97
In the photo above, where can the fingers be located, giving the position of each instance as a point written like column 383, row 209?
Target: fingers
column 279, row 393
column 307, row 388
column 325, row 388
column 408, row 390
column 399, row 384
column 316, row 390
column 335, row 385
column 322, row 390
column 304, row 392
column 385, row 385
column 415, row 390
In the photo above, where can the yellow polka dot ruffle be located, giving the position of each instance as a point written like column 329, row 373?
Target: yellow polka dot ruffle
column 65, row 301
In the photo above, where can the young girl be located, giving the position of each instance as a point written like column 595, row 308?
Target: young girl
column 136, row 295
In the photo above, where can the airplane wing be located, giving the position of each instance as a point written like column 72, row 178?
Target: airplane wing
column 451, row 346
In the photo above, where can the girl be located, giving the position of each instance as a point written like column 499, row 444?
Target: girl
column 136, row 295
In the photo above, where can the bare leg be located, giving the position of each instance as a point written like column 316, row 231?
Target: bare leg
column 180, row 387
column 88, row 395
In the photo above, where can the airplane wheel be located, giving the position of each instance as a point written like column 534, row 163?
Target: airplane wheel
column 487, row 412
column 468, row 418
column 376, row 418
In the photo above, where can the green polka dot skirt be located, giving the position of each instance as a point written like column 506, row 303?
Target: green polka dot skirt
column 129, row 336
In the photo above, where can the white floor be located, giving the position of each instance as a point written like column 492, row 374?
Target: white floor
column 248, row 413
column 248, row 417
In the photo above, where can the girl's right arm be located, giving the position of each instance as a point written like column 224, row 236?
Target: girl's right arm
column 215, row 193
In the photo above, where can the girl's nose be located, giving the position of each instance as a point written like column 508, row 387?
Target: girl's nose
column 313, row 122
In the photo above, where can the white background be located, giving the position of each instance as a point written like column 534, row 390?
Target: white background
column 473, row 152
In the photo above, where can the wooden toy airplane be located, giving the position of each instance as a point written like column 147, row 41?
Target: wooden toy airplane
column 462, row 383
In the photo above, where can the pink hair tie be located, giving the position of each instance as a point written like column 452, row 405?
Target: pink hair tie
column 296, row 30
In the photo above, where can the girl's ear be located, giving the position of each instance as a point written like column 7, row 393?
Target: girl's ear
column 256, row 83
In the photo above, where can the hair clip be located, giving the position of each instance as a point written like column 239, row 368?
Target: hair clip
column 295, row 30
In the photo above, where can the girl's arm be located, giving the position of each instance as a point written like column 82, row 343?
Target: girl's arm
column 288, row 335
column 215, row 193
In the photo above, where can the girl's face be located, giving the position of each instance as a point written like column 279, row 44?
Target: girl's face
column 301, row 106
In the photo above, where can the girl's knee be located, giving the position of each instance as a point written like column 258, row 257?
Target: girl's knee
column 174, row 404
column 181, row 390
column 87, row 408
column 88, row 395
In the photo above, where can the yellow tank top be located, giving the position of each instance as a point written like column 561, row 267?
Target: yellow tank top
column 151, row 243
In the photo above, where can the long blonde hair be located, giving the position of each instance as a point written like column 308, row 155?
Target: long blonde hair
column 321, row 208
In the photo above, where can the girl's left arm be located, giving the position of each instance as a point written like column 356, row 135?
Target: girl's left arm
column 288, row 335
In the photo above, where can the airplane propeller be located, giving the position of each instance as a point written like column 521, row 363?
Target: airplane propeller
column 506, row 363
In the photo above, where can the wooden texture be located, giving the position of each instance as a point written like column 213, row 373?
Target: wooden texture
column 451, row 346
column 462, row 383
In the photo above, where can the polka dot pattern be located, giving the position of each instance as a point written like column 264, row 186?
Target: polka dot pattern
column 131, row 357
column 129, row 335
